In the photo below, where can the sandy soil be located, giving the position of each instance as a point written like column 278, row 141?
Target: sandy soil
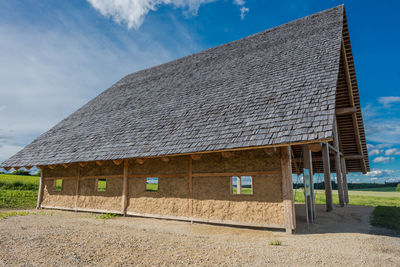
column 341, row 238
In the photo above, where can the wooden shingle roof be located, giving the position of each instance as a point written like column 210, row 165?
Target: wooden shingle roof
column 275, row 87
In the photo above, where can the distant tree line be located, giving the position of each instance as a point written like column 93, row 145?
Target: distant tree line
column 22, row 172
column 350, row 186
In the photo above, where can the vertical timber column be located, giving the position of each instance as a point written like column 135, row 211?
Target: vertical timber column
column 238, row 185
column 344, row 176
column 190, row 176
column 287, row 190
column 337, row 164
column 327, row 177
column 308, row 165
column 77, row 187
column 41, row 187
column 124, row 202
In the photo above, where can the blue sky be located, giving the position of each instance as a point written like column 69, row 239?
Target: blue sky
column 57, row 55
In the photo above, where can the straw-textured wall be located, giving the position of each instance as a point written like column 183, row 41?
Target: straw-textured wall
column 212, row 197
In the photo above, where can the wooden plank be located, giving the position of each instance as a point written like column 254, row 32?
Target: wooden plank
column 310, row 199
column 124, row 201
column 327, row 177
column 287, row 190
column 41, row 187
column 77, row 188
column 345, row 111
column 218, row 174
column 357, row 156
column 344, row 177
column 190, row 176
column 354, row 115
column 200, row 220
column 163, row 175
column 337, row 164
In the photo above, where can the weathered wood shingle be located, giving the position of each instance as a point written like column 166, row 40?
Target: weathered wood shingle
column 274, row 87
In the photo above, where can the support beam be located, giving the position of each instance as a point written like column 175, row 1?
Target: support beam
column 41, row 187
column 99, row 162
column 196, row 156
column 345, row 111
column 190, row 176
column 140, row 161
column 238, row 185
column 327, row 177
column 310, row 199
column 226, row 154
column 344, row 177
column 118, row 161
column 287, row 190
column 337, row 164
column 77, row 188
column 124, row 201
column 315, row 147
column 82, row 164
column 164, row 159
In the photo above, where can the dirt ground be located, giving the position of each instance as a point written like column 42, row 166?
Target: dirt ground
column 341, row 238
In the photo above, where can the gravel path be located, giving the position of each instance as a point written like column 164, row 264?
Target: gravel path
column 61, row 238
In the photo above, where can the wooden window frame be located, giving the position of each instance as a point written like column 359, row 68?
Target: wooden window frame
column 97, row 185
column 158, row 184
column 239, row 177
column 55, row 185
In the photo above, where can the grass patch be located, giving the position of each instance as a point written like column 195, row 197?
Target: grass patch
column 244, row 191
column 4, row 215
column 275, row 243
column 151, row 187
column 107, row 216
column 377, row 189
column 388, row 217
column 18, row 199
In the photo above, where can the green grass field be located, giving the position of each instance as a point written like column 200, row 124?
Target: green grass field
column 18, row 192
column 151, row 187
column 362, row 198
column 377, row 189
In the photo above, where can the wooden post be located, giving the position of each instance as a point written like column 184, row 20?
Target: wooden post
column 238, row 185
column 287, row 190
column 308, row 165
column 327, row 177
column 337, row 164
column 190, row 175
column 41, row 187
column 77, row 187
column 124, row 202
column 344, row 175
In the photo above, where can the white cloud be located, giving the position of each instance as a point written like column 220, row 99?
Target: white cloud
column 387, row 101
column 243, row 11
column 380, row 173
column 239, row 2
column 382, row 159
column 133, row 12
column 375, row 152
column 392, row 152
column 383, row 130
column 46, row 74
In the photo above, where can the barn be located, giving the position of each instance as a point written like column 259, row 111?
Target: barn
column 215, row 136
